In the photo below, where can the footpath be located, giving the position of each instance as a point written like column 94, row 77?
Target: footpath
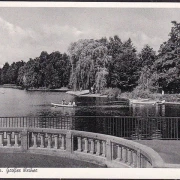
column 167, row 149
column 27, row 160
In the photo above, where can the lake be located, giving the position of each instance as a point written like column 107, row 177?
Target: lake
column 15, row 102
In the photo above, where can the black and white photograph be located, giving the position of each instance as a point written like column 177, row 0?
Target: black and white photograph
column 89, row 86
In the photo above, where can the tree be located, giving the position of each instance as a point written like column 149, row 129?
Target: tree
column 88, row 59
column 168, row 61
column 4, row 76
column 12, row 72
column 124, row 65
column 147, row 57
column 114, row 50
column 47, row 70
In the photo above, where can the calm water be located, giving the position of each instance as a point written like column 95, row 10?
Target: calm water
column 16, row 102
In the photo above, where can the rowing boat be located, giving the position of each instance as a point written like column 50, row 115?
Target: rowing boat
column 63, row 105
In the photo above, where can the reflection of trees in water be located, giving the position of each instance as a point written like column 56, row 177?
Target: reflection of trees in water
column 56, row 118
column 58, row 122
column 144, row 110
column 93, row 107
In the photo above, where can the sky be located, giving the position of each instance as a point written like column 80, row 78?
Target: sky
column 27, row 31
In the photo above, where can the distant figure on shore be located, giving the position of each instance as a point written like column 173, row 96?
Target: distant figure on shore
column 91, row 92
column 70, row 103
column 162, row 92
column 73, row 103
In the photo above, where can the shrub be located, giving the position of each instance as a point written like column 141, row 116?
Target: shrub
column 112, row 92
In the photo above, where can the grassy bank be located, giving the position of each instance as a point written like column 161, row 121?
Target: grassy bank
column 141, row 94
column 152, row 96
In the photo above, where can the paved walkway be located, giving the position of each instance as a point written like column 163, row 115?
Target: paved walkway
column 169, row 150
column 40, row 161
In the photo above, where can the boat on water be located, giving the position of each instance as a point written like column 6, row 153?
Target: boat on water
column 146, row 101
column 63, row 105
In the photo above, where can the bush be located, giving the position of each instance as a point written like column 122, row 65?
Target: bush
column 112, row 92
column 140, row 93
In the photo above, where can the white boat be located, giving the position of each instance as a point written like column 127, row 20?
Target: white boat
column 63, row 105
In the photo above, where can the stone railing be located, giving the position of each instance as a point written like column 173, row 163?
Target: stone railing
column 97, row 148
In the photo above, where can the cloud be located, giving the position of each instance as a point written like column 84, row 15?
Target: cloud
column 15, row 33
column 140, row 39
column 15, row 42
column 61, row 31
column 19, row 43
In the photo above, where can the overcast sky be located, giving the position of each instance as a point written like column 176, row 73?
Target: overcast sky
column 26, row 32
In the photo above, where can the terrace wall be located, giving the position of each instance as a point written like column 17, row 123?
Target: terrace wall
column 86, row 146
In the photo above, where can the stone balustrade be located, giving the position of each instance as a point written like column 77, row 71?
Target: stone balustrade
column 10, row 137
column 93, row 147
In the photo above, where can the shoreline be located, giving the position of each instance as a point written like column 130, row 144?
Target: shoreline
column 93, row 95
column 152, row 102
column 85, row 93
column 49, row 90
column 11, row 86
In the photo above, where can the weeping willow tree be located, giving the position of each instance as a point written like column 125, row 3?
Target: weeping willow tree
column 101, row 79
column 89, row 60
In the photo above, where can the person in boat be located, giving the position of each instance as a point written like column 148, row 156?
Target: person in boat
column 70, row 103
column 63, row 102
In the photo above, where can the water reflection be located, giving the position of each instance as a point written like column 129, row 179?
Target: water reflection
column 151, row 110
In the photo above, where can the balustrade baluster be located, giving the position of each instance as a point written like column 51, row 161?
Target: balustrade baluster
column 134, row 161
column 79, row 144
column 130, row 157
column 138, row 158
column 62, row 141
column 56, row 144
column 124, row 154
column 119, row 153
column 85, row 145
column 16, row 138
column 92, row 146
column 42, row 140
column 103, row 148
column 1, row 138
column 9, row 139
column 143, row 162
column 35, row 140
column 49, row 141
column 98, row 148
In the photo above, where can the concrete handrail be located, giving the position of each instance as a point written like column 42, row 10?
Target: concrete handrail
column 148, row 152
column 94, row 147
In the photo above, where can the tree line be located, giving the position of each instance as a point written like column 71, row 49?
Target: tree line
column 47, row 70
column 102, row 63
